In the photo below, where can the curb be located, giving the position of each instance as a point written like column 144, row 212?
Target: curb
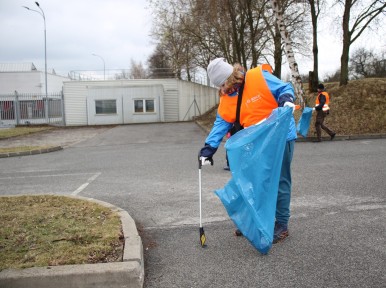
column 129, row 273
column 343, row 137
column 31, row 152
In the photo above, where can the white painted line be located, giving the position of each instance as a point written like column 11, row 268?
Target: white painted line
column 42, row 176
column 84, row 185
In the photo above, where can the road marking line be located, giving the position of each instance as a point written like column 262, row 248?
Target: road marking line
column 42, row 176
column 84, row 185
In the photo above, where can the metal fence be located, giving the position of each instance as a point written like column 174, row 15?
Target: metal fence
column 31, row 109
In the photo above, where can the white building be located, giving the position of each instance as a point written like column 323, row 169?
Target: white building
column 25, row 78
column 79, row 103
column 135, row 101
column 23, row 95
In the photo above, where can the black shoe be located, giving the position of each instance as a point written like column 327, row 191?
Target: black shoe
column 280, row 232
column 227, row 168
column 238, row 232
column 333, row 136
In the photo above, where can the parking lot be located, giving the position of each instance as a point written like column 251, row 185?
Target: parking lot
column 337, row 229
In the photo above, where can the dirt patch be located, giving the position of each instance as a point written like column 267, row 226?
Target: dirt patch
column 55, row 137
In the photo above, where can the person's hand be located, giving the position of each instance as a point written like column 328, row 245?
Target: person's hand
column 313, row 109
column 206, row 160
column 205, row 155
column 291, row 105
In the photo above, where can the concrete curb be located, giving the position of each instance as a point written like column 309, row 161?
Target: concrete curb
column 343, row 137
column 31, row 152
column 128, row 273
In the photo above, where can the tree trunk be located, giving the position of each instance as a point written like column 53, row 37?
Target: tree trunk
column 278, row 59
column 315, row 75
column 346, row 44
column 296, row 79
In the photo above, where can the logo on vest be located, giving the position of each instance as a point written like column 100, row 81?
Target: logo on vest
column 254, row 99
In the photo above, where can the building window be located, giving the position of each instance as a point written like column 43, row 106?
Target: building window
column 144, row 106
column 149, row 105
column 106, row 106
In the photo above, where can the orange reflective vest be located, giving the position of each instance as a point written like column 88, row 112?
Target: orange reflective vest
column 325, row 106
column 257, row 100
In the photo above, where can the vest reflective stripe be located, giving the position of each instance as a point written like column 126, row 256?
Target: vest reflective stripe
column 325, row 106
column 258, row 101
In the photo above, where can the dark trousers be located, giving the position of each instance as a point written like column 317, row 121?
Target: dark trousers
column 285, row 183
column 319, row 125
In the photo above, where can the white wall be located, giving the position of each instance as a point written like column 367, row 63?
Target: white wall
column 30, row 82
column 176, row 103
column 124, row 97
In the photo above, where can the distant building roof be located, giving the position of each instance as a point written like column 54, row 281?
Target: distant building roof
column 17, row 67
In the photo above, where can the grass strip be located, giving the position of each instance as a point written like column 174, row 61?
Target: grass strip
column 21, row 131
column 47, row 230
column 22, row 149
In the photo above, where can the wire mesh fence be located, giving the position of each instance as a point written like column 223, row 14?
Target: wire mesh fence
column 31, row 109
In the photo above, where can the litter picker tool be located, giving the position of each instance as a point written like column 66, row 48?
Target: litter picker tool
column 200, row 163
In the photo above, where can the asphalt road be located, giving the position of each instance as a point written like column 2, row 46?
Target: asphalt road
column 337, row 229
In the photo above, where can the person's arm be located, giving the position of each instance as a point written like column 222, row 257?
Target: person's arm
column 322, row 101
column 282, row 91
column 219, row 130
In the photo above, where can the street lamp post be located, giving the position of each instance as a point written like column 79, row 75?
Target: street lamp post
column 41, row 12
column 104, row 66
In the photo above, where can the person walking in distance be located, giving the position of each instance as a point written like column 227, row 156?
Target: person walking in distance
column 322, row 109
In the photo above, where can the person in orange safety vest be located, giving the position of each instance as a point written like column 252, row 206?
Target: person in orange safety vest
column 323, row 109
column 262, row 93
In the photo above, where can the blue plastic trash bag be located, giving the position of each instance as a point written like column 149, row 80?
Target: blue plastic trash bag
column 304, row 122
column 255, row 156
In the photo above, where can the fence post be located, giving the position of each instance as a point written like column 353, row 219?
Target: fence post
column 16, row 108
column 62, row 104
column 46, row 110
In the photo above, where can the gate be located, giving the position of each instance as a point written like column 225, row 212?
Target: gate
column 31, row 109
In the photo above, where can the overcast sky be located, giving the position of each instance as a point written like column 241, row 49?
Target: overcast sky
column 116, row 30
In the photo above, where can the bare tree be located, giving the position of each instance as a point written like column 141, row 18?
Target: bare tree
column 159, row 65
column 294, row 13
column 365, row 63
column 137, row 71
column 296, row 79
column 368, row 11
column 315, row 8
column 124, row 74
column 190, row 33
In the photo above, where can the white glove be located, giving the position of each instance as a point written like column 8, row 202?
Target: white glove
column 291, row 105
column 206, row 160
column 313, row 109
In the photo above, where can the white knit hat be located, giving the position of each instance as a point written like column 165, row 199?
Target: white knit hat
column 219, row 71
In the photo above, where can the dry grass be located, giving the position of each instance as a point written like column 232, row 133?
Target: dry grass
column 358, row 108
column 22, row 149
column 52, row 230
column 21, row 131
